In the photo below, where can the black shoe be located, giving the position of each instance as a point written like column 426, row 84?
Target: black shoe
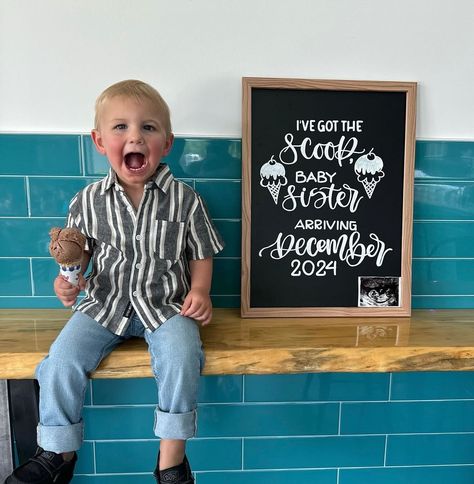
column 43, row 468
column 180, row 474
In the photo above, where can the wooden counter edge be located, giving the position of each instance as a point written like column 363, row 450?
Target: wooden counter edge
column 136, row 364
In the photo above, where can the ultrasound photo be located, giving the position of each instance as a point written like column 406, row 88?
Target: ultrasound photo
column 379, row 292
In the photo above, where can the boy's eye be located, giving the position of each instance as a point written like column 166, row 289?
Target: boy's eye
column 120, row 126
column 149, row 127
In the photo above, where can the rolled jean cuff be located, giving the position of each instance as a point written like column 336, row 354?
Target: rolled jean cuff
column 61, row 438
column 176, row 426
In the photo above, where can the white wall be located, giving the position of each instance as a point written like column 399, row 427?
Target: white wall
column 57, row 55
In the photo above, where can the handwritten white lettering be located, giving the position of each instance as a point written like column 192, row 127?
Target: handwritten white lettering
column 318, row 197
column 344, row 149
column 318, row 224
column 328, row 125
column 316, row 177
column 348, row 248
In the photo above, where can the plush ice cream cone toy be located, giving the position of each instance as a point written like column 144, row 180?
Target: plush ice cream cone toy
column 272, row 176
column 369, row 171
column 67, row 248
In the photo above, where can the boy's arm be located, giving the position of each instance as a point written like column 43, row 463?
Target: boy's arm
column 197, row 304
column 65, row 291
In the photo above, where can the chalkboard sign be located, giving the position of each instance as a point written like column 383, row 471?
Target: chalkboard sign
column 327, row 197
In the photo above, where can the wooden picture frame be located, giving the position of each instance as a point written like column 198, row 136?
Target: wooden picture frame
column 327, row 197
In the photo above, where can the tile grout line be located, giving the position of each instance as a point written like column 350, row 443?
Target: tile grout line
column 28, row 195
column 297, row 436
column 390, row 387
column 91, row 390
column 286, row 469
column 94, row 456
column 32, row 280
column 340, row 419
column 81, row 155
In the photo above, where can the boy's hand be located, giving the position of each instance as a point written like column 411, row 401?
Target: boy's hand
column 197, row 305
column 66, row 292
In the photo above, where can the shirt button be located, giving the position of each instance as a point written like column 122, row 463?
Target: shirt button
column 129, row 209
column 135, row 293
column 138, row 265
column 138, row 237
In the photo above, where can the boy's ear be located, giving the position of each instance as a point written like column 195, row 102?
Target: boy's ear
column 169, row 144
column 97, row 139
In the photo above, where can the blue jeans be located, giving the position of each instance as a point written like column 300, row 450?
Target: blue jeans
column 176, row 357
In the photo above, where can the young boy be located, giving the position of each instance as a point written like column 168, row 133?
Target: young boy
column 151, row 243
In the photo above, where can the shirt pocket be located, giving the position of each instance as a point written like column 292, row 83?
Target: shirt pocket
column 169, row 239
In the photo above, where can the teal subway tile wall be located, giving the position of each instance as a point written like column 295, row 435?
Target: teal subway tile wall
column 40, row 173
column 334, row 428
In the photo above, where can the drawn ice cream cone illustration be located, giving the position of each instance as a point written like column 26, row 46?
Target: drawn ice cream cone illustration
column 67, row 248
column 272, row 176
column 369, row 171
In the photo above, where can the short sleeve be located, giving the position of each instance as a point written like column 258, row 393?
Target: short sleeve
column 202, row 239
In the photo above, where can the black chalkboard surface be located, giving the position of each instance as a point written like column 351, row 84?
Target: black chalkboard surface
column 327, row 197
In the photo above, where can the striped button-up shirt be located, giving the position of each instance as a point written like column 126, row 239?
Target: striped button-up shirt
column 140, row 257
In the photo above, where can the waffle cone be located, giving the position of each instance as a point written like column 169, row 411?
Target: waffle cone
column 274, row 191
column 369, row 187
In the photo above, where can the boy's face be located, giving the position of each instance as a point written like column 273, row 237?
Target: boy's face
column 131, row 135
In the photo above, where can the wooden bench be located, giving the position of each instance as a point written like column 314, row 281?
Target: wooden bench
column 430, row 340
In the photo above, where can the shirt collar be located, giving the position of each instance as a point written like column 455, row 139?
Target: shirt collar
column 162, row 179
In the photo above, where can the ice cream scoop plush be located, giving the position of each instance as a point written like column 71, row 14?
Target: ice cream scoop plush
column 67, row 248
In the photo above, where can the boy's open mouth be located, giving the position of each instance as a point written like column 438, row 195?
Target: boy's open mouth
column 135, row 161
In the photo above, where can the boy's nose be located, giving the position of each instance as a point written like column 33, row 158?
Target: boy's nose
column 135, row 136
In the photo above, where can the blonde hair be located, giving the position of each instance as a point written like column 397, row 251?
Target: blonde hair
column 139, row 90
